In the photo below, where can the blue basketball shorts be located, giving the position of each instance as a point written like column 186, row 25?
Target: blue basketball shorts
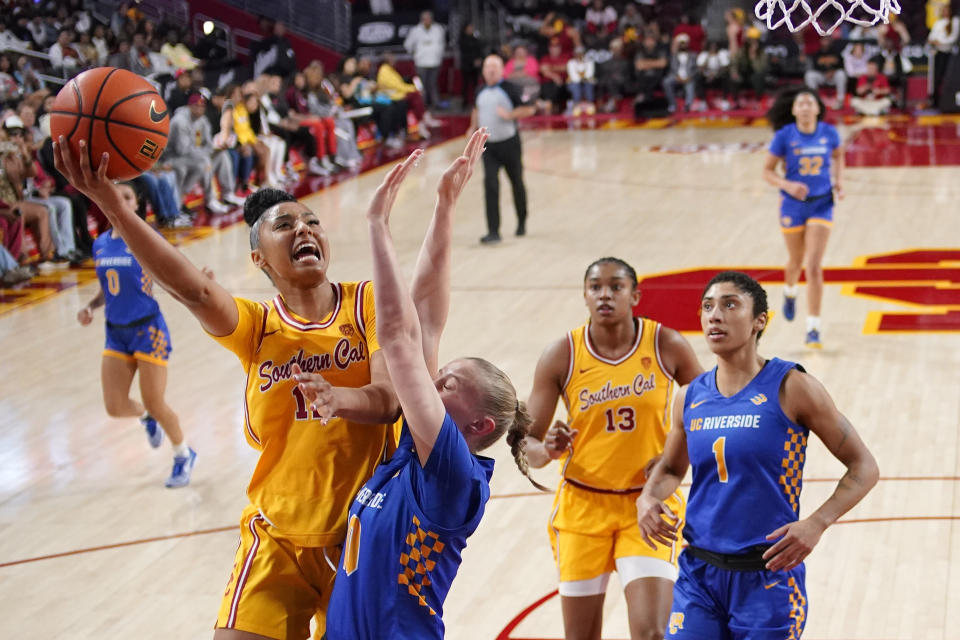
column 148, row 341
column 795, row 214
column 710, row 602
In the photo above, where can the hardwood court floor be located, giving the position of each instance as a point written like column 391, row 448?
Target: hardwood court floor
column 72, row 479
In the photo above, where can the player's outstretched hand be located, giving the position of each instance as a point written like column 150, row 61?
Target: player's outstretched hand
column 92, row 183
column 322, row 397
column 658, row 524
column 458, row 174
column 558, row 439
column 797, row 540
column 85, row 316
column 386, row 193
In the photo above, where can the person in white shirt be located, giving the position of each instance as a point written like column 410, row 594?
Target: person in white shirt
column 713, row 65
column 64, row 56
column 426, row 42
column 855, row 60
column 9, row 40
column 581, row 77
column 942, row 41
column 682, row 74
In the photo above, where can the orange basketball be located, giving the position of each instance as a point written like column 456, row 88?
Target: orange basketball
column 114, row 111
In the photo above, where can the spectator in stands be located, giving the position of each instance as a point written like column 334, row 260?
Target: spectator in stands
column 28, row 80
column 42, row 34
column 426, row 42
column 191, row 155
column 9, row 91
column 357, row 89
column 615, row 77
column 260, row 122
column 141, row 62
column 176, row 52
column 150, row 36
column 322, row 127
column 523, row 70
column 828, row 68
column 179, row 91
column 873, row 92
column 65, row 58
column 471, row 58
column 220, row 116
column 390, row 81
column 631, row 19
column 84, row 45
column 713, row 67
column 750, row 67
column 122, row 58
column 855, row 61
column 682, row 74
column 581, row 78
column 159, row 188
column 32, row 133
column 693, row 30
column 13, row 204
column 600, row 25
column 275, row 54
column 735, row 19
column 558, row 26
column 9, row 40
column 650, row 65
column 942, row 39
column 896, row 67
column 65, row 227
column 553, row 71
column 102, row 43
column 894, row 32
column 288, row 125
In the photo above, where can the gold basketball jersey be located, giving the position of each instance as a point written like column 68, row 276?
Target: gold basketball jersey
column 620, row 407
column 308, row 472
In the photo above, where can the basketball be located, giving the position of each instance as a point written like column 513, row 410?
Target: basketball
column 117, row 112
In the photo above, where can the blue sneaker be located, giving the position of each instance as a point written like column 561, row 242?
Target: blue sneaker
column 813, row 339
column 789, row 307
column 182, row 468
column 154, row 432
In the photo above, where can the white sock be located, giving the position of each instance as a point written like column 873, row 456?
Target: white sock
column 181, row 450
column 791, row 291
column 813, row 322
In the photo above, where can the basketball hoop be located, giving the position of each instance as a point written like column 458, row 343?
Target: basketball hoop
column 796, row 14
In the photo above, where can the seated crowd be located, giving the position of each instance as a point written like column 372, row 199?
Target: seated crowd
column 226, row 138
column 663, row 57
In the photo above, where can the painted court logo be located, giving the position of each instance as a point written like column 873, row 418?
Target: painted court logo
column 925, row 281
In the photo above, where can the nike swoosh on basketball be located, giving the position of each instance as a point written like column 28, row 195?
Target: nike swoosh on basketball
column 157, row 116
column 694, row 405
column 771, row 585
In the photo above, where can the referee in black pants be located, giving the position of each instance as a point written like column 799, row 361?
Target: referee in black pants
column 499, row 105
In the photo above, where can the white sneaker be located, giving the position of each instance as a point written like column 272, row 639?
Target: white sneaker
column 233, row 198
column 316, row 167
column 328, row 164
column 217, row 208
column 430, row 121
column 424, row 130
column 182, row 221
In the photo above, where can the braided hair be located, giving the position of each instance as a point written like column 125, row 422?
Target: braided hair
column 509, row 415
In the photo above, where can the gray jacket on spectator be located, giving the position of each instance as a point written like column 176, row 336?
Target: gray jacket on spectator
column 185, row 132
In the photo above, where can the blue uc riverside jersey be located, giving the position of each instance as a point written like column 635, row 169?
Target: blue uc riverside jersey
column 405, row 531
column 747, row 460
column 127, row 290
column 807, row 156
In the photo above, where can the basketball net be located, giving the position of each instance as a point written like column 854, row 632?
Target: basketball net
column 796, row 14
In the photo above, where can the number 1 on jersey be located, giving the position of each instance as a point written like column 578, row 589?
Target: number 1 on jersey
column 719, row 454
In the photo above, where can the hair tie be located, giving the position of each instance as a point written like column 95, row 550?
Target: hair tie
column 518, row 405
